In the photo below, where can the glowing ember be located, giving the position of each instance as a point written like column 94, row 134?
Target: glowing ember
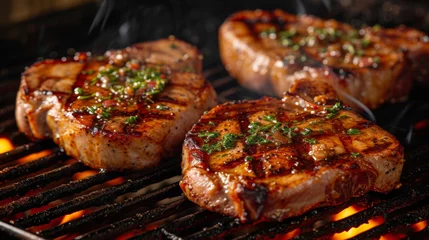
column 374, row 222
column 417, row 227
column 84, row 174
column 5, row 145
column 116, row 181
column 392, row 236
column 421, row 125
column 347, row 212
column 72, row 216
column 34, row 156
column 288, row 235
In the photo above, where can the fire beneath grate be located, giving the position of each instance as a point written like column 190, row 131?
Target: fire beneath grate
column 44, row 194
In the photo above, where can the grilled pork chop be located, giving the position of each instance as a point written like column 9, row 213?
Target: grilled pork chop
column 275, row 159
column 268, row 51
column 125, row 110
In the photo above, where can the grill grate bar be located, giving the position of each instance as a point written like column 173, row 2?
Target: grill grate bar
column 26, row 168
column 99, row 197
column 18, row 233
column 25, row 150
column 306, row 219
column 182, row 223
column 388, row 206
column 222, row 226
column 63, row 190
column 404, row 220
column 116, row 208
column 39, row 180
column 139, row 220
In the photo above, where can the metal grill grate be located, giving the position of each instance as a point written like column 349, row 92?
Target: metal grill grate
column 35, row 196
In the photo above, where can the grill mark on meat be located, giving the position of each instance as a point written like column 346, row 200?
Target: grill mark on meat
column 287, row 178
column 97, row 128
column 261, row 63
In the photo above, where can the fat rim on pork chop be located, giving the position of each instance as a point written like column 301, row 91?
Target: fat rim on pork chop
column 125, row 110
column 274, row 159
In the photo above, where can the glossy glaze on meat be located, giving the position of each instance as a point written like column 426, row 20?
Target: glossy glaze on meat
column 85, row 105
column 286, row 156
column 267, row 51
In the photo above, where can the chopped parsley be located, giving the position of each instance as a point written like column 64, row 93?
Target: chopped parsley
column 211, row 123
column 228, row 141
column 131, row 120
column 208, row 135
column 310, row 140
column 162, row 107
column 355, row 154
column 267, row 32
column 78, row 91
column 376, row 59
column 89, row 72
column 333, row 111
column 270, row 118
column 248, row 159
column 353, row 131
column 306, row 131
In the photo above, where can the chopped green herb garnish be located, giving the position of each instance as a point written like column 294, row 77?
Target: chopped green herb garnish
column 366, row 42
column 256, row 139
column 343, row 117
column 306, row 131
column 333, row 111
column 131, row 120
column 355, row 154
column 376, row 27
column 353, row 131
column 349, row 48
column 208, row 135
column 228, row 141
column 376, row 59
column 310, row 140
column 211, row 123
column 248, row 159
column 78, row 91
column 267, row 32
column 173, row 46
column 270, row 118
column 162, row 107
column 84, row 97
column 290, row 132
column 209, row 148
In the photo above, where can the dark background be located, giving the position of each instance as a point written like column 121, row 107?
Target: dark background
column 102, row 25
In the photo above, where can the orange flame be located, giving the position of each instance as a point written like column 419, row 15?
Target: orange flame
column 288, row 235
column 392, row 236
column 34, row 156
column 72, row 216
column 84, row 174
column 374, row 222
column 5, row 145
column 417, row 227
column 116, row 181
column 347, row 212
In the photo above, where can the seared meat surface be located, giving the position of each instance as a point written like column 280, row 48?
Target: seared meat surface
column 125, row 110
column 274, row 159
column 268, row 51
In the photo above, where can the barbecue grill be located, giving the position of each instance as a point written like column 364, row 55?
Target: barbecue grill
column 44, row 194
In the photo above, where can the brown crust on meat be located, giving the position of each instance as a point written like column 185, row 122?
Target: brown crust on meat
column 266, row 66
column 47, row 108
column 289, row 177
